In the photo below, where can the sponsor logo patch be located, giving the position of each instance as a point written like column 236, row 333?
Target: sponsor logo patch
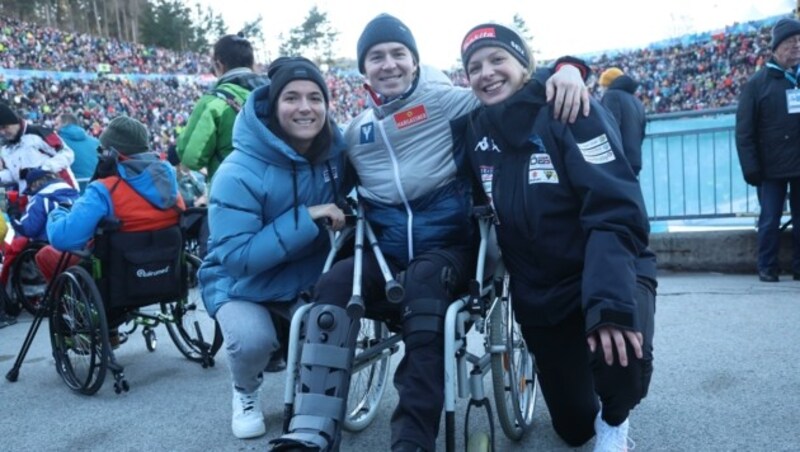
column 487, row 174
column 367, row 133
column 541, row 170
column 326, row 175
column 410, row 117
column 597, row 150
column 142, row 273
column 481, row 33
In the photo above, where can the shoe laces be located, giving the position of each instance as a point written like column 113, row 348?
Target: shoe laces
column 247, row 402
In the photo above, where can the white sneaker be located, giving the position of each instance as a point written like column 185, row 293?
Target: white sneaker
column 247, row 420
column 611, row 439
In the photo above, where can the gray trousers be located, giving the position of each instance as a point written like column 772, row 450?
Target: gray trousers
column 251, row 338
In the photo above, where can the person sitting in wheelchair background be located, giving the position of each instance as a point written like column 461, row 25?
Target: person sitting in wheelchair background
column 131, row 184
column 44, row 192
column 267, row 245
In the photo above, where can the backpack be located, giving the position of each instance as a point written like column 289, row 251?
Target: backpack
column 229, row 98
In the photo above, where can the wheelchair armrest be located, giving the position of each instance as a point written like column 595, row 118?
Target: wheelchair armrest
column 108, row 224
column 199, row 210
column 483, row 211
column 83, row 253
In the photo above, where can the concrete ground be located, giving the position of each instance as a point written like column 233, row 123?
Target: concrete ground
column 727, row 377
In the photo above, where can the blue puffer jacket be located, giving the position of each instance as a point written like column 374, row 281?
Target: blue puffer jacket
column 85, row 148
column 264, row 246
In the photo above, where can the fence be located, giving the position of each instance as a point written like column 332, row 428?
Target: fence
column 691, row 168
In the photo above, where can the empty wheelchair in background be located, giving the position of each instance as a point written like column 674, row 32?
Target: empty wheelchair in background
column 483, row 314
column 125, row 272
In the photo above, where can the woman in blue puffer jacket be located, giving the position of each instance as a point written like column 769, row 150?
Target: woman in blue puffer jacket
column 266, row 246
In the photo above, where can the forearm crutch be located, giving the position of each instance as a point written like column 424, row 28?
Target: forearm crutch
column 44, row 310
column 394, row 290
column 355, row 307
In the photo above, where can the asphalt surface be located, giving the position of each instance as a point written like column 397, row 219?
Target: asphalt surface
column 727, row 377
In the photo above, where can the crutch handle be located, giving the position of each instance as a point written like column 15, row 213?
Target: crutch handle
column 394, row 291
column 355, row 307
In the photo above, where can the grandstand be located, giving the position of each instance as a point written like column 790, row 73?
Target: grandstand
column 46, row 72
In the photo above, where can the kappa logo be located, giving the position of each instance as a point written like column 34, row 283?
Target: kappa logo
column 486, row 144
column 410, row 117
column 367, row 133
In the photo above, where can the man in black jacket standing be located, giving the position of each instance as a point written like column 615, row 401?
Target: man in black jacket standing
column 628, row 110
column 768, row 143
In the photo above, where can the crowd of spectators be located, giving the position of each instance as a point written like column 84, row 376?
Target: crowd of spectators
column 28, row 46
column 701, row 74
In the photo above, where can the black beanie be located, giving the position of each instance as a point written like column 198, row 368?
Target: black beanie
column 384, row 28
column 494, row 35
column 783, row 30
column 125, row 135
column 287, row 69
column 7, row 115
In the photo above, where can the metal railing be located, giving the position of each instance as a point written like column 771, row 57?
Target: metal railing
column 691, row 167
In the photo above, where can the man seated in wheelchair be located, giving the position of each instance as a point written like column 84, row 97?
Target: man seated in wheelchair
column 138, row 190
column 44, row 191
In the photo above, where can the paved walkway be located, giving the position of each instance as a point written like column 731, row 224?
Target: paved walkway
column 727, row 377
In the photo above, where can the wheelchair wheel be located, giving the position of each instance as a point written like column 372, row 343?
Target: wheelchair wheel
column 79, row 331
column 197, row 336
column 11, row 305
column 27, row 281
column 368, row 384
column 513, row 370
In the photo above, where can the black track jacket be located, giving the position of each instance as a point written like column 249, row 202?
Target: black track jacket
column 572, row 228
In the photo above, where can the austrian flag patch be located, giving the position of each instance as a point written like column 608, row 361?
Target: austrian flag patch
column 410, row 117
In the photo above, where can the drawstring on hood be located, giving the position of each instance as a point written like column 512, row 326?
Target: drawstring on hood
column 294, row 195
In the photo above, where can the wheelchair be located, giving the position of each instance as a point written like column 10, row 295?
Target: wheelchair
column 107, row 288
column 483, row 314
column 26, row 284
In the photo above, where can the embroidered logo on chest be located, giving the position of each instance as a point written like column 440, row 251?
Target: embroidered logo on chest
column 541, row 170
column 408, row 118
column 486, row 144
column 367, row 134
column 326, row 175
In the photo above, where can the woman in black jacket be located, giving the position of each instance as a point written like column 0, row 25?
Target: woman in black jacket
column 573, row 232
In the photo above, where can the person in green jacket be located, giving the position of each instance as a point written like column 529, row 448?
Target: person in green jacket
column 207, row 138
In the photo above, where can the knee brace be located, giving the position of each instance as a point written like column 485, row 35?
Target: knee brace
column 423, row 321
column 325, row 364
column 431, row 276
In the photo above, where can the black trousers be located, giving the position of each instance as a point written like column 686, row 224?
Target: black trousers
column 572, row 378
column 419, row 378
